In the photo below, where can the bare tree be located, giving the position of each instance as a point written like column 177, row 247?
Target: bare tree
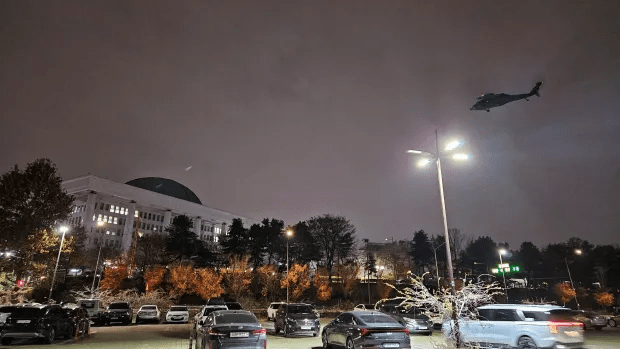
column 457, row 242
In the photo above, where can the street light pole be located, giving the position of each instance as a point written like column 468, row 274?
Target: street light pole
column 92, row 288
column 436, row 265
column 288, row 235
column 63, row 229
column 367, row 268
column 501, row 252
column 571, row 278
column 445, row 219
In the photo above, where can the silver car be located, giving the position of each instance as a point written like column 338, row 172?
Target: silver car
column 231, row 329
column 365, row 329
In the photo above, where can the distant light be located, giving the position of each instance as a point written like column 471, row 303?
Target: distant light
column 423, row 162
column 578, row 251
column 502, row 251
column 494, row 270
column 100, row 224
column 74, row 270
column 414, row 151
column 453, row 145
column 289, row 233
column 460, row 156
column 63, row 229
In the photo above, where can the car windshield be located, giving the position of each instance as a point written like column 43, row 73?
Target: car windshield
column 27, row 313
column 378, row 319
column 118, row 306
column 236, row 319
column 149, row 307
column 87, row 305
column 210, row 310
column 179, row 308
column 300, row 309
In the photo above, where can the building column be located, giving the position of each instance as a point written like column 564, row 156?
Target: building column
column 197, row 223
column 89, row 223
column 167, row 218
column 128, row 229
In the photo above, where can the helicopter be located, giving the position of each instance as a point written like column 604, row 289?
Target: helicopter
column 492, row 100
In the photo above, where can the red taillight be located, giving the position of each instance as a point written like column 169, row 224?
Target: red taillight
column 261, row 331
column 553, row 326
column 365, row 331
column 407, row 331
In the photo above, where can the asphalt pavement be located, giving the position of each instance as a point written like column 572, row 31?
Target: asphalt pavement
column 176, row 336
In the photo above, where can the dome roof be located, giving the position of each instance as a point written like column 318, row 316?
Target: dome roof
column 166, row 187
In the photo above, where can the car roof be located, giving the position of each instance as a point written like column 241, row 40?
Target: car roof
column 529, row 307
column 223, row 312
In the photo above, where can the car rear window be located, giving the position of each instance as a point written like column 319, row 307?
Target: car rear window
column 552, row 315
column 299, row 309
column 27, row 313
column 378, row 319
column 87, row 305
column 236, row 319
column 119, row 306
column 178, row 308
column 149, row 307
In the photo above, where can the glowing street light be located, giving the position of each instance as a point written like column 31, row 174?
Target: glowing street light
column 577, row 252
column 289, row 233
column 63, row 229
column 428, row 157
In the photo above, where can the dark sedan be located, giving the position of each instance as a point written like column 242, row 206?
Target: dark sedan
column 415, row 321
column 365, row 329
column 231, row 329
column 44, row 322
column 297, row 318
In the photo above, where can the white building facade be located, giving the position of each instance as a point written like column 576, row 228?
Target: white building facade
column 151, row 202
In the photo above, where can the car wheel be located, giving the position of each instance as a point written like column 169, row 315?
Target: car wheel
column 325, row 342
column 51, row 334
column 526, row 343
column 612, row 323
column 7, row 341
column 350, row 344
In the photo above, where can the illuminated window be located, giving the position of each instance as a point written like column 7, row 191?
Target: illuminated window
column 136, row 214
column 117, row 209
column 115, row 220
column 112, row 208
column 216, row 239
column 107, row 232
column 99, row 218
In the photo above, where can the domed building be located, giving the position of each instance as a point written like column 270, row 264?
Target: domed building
column 151, row 202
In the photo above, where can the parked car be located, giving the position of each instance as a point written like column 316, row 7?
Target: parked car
column 94, row 309
column 234, row 306
column 591, row 319
column 520, row 326
column 118, row 312
column 231, row 329
column 365, row 329
column 36, row 321
column 412, row 318
column 203, row 313
column 271, row 311
column 216, row 301
column 297, row 318
column 5, row 312
column 612, row 320
column 364, row 307
column 79, row 321
column 178, row 313
column 148, row 313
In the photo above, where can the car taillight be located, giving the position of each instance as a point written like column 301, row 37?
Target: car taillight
column 365, row 332
column 261, row 331
column 553, row 326
column 407, row 331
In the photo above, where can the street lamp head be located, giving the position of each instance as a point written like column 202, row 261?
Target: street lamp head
column 63, row 229
column 453, row 145
column 502, row 251
column 460, row 156
column 289, row 233
column 578, row 252
column 412, row 151
column 424, row 162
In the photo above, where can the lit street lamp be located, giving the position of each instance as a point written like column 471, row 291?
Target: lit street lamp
column 92, row 288
column 577, row 252
column 63, row 229
column 428, row 158
column 501, row 262
column 289, row 233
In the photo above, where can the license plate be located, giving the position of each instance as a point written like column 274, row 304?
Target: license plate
column 23, row 321
column 571, row 333
column 391, row 345
column 306, row 327
column 423, row 328
column 239, row 334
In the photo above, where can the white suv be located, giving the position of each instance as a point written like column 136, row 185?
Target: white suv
column 204, row 312
column 520, row 326
column 273, row 308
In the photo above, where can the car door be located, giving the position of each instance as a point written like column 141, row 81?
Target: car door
column 334, row 336
column 346, row 327
column 476, row 330
column 502, row 325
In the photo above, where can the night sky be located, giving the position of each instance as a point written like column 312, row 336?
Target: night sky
column 292, row 109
